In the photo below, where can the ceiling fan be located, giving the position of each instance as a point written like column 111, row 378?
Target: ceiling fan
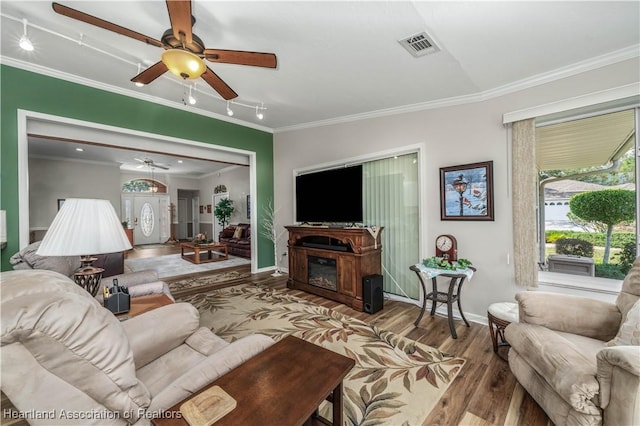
column 184, row 51
column 147, row 162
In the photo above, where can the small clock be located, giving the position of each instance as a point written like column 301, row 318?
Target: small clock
column 447, row 247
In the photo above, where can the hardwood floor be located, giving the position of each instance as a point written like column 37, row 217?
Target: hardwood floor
column 485, row 393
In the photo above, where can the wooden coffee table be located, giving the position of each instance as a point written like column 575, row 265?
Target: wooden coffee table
column 220, row 250
column 141, row 304
column 283, row 385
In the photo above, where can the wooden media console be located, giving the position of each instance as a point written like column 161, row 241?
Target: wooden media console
column 331, row 262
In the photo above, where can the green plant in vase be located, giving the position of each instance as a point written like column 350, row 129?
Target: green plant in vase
column 442, row 263
column 223, row 211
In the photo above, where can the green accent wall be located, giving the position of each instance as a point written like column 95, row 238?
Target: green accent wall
column 35, row 92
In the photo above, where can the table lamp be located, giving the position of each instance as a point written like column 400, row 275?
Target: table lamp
column 85, row 227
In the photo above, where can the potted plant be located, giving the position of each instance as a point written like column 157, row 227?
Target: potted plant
column 442, row 263
column 223, row 211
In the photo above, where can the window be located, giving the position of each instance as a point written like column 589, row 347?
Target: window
column 144, row 185
column 586, row 159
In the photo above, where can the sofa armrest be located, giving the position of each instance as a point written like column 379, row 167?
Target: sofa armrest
column 131, row 279
column 143, row 289
column 618, row 375
column 209, row 369
column 570, row 314
column 150, row 336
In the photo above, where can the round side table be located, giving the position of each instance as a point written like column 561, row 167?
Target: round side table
column 500, row 315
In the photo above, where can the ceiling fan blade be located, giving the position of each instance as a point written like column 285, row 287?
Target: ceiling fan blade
column 89, row 19
column 160, row 166
column 256, row 59
column 151, row 73
column 218, row 85
column 180, row 17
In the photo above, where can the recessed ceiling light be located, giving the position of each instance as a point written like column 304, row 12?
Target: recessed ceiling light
column 180, row 161
column 79, row 149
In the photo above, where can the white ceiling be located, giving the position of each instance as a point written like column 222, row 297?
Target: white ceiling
column 336, row 60
column 126, row 159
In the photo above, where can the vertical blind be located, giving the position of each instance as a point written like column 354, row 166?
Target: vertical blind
column 390, row 189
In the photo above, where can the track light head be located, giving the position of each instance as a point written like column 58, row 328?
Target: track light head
column 24, row 42
column 192, row 100
column 138, row 84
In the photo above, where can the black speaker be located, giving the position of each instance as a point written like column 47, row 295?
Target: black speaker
column 372, row 293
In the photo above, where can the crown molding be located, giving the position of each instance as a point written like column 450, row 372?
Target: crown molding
column 38, row 69
column 611, row 58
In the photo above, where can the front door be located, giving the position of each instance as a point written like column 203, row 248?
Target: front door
column 147, row 226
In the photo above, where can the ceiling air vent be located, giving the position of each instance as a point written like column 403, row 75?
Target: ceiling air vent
column 419, row 44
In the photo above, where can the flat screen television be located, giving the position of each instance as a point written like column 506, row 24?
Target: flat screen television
column 330, row 196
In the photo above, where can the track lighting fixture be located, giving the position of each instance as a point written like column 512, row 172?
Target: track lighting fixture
column 25, row 43
column 139, row 71
column 192, row 100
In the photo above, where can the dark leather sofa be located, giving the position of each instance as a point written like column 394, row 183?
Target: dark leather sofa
column 238, row 243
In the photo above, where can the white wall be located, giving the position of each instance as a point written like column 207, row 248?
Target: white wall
column 50, row 180
column 236, row 179
column 451, row 136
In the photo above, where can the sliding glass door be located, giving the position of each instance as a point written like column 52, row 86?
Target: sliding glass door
column 390, row 190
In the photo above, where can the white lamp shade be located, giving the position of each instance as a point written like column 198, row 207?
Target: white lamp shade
column 84, row 227
column 3, row 226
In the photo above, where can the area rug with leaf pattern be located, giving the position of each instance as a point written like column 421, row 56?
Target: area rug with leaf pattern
column 181, row 287
column 395, row 381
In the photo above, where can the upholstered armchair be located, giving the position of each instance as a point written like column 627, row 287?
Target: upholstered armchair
column 579, row 357
column 64, row 354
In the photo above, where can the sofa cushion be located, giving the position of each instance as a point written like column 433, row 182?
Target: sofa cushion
column 566, row 361
column 629, row 333
column 237, row 234
column 227, row 232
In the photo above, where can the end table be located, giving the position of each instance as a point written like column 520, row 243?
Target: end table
column 452, row 295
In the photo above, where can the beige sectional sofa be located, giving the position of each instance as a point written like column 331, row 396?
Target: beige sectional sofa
column 579, row 358
column 140, row 283
column 67, row 359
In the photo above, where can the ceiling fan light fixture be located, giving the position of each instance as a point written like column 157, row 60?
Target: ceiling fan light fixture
column 183, row 63
column 259, row 113
column 24, row 42
column 229, row 110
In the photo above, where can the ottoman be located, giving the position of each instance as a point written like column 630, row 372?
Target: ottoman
column 500, row 315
